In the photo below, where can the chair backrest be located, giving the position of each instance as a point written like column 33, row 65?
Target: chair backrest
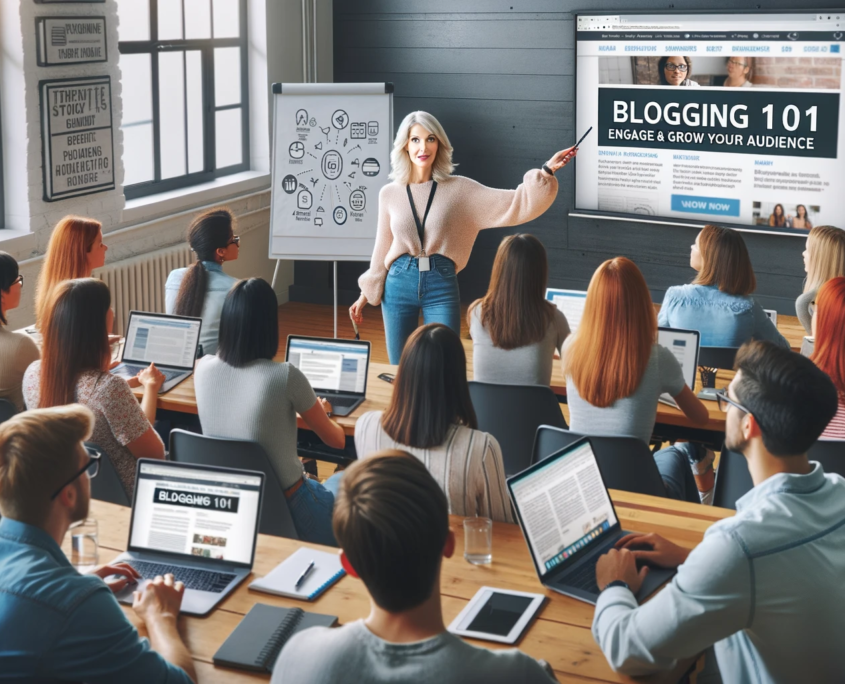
column 831, row 454
column 733, row 480
column 190, row 447
column 512, row 414
column 717, row 357
column 625, row 462
column 107, row 486
column 7, row 410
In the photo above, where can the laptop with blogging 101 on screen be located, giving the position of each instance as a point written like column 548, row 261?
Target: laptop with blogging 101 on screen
column 568, row 521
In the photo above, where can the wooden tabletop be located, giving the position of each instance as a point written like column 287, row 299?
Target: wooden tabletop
column 561, row 635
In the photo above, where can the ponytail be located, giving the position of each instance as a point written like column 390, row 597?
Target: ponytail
column 209, row 232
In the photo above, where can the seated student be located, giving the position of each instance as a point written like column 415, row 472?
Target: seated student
column 74, row 367
column 718, row 302
column 243, row 394
column 514, row 330
column 392, row 522
column 75, row 249
column 615, row 373
column 435, row 421
column 201, row 289
column 829, row 351
column 765, row 586
column 824, row 258
column 17, row 350
column 55, row 624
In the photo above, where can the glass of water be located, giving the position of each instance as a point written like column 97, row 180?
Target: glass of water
column 81, row 545
column 478, row 540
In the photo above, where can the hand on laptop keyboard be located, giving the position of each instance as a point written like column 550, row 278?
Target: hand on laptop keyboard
column 201, row 580
column 162, row 596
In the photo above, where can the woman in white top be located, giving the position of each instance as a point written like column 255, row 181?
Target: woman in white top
column 431, row 417
column 17, row 350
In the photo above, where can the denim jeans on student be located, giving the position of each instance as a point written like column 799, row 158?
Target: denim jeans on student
column 311, row 508
column 673, row 464
column 407, row 290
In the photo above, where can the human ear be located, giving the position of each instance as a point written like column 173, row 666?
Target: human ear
column 449, row 547
column 344, row 562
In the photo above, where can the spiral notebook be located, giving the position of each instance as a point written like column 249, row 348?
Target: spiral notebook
column 282, row 579
column 259, row 638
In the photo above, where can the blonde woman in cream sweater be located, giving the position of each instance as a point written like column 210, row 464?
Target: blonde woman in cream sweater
column 428, row 222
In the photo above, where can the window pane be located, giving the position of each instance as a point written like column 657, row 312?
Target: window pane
column 195, row 124
column 169, row 19
column 136, row 75
column 171, row 95
column 228, row 135
column 227, row 76
column 226, row 19
column 197, row 18
column 137, row 153
column 134, row 18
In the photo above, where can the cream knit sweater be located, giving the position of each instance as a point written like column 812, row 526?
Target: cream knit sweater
column 460, row 209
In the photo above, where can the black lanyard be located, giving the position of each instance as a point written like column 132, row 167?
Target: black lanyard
column 421, row 226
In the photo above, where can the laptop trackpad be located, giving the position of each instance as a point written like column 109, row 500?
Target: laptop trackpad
column 653, row 580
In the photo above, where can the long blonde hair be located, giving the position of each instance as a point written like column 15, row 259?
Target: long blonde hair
column 825, row 256
column 400, row 163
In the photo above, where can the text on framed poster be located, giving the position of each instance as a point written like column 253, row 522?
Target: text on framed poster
column 70, row 40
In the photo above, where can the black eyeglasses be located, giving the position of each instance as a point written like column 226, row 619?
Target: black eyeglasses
column 19, row 279
column 236, row 240
column 724, row 402
column 676, row 67
column 91, row 469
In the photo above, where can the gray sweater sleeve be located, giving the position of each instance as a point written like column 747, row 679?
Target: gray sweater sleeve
column 802, row 309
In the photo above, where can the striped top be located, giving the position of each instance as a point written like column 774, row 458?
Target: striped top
column 836, row 427
column 467, row 466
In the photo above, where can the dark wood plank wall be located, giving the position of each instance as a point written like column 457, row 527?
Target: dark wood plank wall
column 500, row 76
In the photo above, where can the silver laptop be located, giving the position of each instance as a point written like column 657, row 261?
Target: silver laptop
column 568, row 521
column 197, row 522
column 336, row 369
column 170, row 342
column 570, row 303
column 685, row 345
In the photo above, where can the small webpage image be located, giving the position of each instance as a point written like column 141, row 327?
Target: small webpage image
column 163, row 341
column 330, row 365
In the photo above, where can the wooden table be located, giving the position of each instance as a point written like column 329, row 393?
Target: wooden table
column 561, row 635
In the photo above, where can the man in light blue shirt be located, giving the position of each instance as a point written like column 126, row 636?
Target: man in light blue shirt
column 55, row 624
column 764, row 588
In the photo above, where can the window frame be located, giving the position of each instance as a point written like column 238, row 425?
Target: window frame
column 2, row 188
column 205, row 46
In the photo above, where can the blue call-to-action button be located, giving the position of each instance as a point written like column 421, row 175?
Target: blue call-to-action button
column 716, row 206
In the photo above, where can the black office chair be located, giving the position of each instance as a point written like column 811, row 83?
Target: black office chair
column 7, row 410
column 625, row 462
column 189, row 447
column 717, row 357
column 831, row 454
column 512, row 414
column 107, row 486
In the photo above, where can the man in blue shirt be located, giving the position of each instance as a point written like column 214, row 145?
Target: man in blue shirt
column 56, row 624
column 764, row 588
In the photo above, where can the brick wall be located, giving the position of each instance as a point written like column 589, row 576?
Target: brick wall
column 798, row 72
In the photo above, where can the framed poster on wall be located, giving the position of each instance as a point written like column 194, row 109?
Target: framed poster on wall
column 70, row 40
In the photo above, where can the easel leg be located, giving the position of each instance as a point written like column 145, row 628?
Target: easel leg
column 335, row 299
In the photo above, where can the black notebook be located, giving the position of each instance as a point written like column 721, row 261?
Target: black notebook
column 258, row 639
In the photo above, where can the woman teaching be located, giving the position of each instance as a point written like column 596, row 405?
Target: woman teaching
column 428, row 222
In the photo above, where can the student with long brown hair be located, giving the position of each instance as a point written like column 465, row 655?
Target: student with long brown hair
column 74, row 368
column 201, row 289
column 75, row 249
column 514, row 330
column 824, row 258
column 718, row 303
column 829, row 350
column 615, row 371
column 431, row 417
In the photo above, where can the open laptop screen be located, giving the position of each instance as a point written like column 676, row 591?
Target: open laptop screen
column 164, row 340
column 563, row 505
column 329, row 364
column 684, row 345
column 570, row 302
column 196, row 511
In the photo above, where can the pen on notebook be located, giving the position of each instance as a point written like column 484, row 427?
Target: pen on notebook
column 304, row 574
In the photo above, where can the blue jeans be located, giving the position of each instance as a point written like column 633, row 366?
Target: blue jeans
column 673, row 464
column 407, row 290
column 311, row 508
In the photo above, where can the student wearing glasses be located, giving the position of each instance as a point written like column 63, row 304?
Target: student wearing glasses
column 17, row 350
column 56, row 624
column 739, row 70
column 675, row 71
column 764, row 587
column 824, row 258
column 829, row 350
column 200, row 289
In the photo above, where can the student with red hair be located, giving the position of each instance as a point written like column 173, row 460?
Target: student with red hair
column 615, row 372
column 829, row 350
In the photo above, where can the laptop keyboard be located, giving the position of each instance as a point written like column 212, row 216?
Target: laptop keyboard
column 201, row 580
column 168, row 374
column 340, row 401
column 584, row 578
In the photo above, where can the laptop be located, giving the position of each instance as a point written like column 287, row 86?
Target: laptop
column 570, row 303
column 336, row 369
column 197, row 522
column 170, row 342
column 685, row 345
column 568, row 521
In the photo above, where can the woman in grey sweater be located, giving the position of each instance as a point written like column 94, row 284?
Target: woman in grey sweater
column 824, row 258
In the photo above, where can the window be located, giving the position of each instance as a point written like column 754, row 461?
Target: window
column 185, row 98
column 2, row 207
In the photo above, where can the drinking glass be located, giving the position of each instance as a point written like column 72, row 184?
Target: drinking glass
column 81, row 545
column 478, row 540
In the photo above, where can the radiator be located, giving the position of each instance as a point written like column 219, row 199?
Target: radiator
column 138, row 283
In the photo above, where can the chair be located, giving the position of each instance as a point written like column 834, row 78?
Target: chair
column 7, row 410
column 831, row 454
column 625, row 462
column 717, row 357
column 512, row 414
column 190, row 447
column 107, row 486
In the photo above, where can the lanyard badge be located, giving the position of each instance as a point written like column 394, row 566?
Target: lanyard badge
column 423, row 261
